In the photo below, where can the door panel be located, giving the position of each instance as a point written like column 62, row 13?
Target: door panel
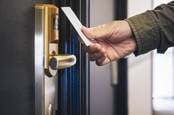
column 73, row 82
column 17, row 84
column 16, row 64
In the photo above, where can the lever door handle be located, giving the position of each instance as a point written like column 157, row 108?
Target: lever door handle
column 62, row 61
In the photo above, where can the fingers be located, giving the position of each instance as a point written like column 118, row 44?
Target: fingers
column 94, row 33
column 96, row 56
column 97, row 53
column 93, row 48
column 111, row 41
column 102, row 61
column 89, row 33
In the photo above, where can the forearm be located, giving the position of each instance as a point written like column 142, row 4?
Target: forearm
column 153, row 29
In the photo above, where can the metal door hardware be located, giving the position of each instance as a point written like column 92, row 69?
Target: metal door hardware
column 47, row 58
column 50, row 109
column 62, row 61
column 50, row 17
column 114, row 74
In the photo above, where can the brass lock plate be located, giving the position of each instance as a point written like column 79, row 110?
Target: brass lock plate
column 46, row 42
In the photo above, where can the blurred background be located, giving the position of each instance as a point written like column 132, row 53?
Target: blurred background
column 150, row 77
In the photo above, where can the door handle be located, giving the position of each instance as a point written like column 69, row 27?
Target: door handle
column 59, row 62
column 62, row 61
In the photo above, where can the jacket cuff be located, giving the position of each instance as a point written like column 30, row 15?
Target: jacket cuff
column 145, row 31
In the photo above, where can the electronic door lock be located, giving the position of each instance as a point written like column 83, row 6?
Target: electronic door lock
column 52, row 59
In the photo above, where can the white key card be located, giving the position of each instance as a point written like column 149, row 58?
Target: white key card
column 76, row 24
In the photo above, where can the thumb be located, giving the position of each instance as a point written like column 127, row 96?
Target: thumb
column 88, row 32
column 98, row 32
column 94, row 33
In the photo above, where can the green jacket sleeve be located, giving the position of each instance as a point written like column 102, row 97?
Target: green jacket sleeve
column 154, row 29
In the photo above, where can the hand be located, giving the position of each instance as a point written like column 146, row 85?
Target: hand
column 112, row 41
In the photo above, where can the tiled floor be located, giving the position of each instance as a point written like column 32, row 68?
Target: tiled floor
column 163, row 106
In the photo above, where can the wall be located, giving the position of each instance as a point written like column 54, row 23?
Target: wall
column 101, row 99
column 140, row 71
